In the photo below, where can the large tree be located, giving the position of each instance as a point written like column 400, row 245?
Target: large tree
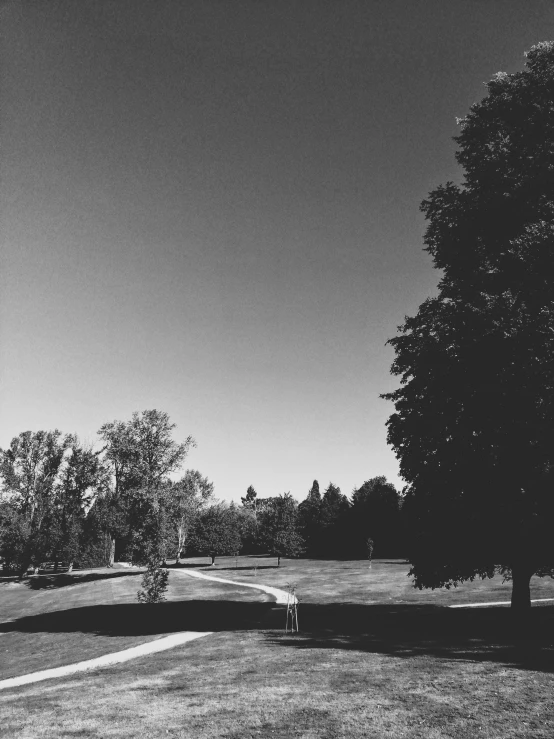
column 249, row 501
column 183, row 503
column 81, row 480
column 141, row 454
column 29, row 470
column 280, row 528
column 13, row 536
column 309, row 513
column 335, row 537
column 375, row 517
column 217, row 532
column 474, row 418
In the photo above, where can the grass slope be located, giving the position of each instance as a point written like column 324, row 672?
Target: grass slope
column 51, row 621
column 386, row 581
column 374, row 659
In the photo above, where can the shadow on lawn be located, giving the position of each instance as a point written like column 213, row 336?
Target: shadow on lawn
column 476, row 635
column 52, row 582
column 399, row 630
column 136, row 619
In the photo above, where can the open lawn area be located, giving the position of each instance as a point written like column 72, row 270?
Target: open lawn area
column 374, row 658
column 386, row 581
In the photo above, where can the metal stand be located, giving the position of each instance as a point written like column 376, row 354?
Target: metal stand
column 292, row 610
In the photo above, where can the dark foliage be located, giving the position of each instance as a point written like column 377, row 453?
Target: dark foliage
column 375, row 516
column 280, row 528
column 474, row 416
column 217, row 532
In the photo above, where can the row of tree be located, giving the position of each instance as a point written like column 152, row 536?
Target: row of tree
column 371, row 522
column 64, row 501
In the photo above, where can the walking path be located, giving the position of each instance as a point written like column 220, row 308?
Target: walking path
column 279, row 595
column 159, row 645
column 167, row 642
column 497, row 603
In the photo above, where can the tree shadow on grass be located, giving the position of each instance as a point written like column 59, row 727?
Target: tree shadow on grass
column 52, row 582
column 400, row 630
column 407, row 631
column 136, row 619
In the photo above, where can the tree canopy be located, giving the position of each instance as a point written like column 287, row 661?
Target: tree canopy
column 217, row 532
column 280, row 528
column 141, row 454
column 375, row 516
column 474, row 415
column 183, row 502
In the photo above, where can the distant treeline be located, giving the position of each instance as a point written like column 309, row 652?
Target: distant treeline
column 65, row 502
column 369, row 523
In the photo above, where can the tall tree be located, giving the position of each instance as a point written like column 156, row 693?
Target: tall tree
column 121, row 459
column 80, row 481
column 251, row 506
column 280, row 528
column 248, row 526
column 184, row 500
column 142, row 454
column 13, row 536
column 217, row 532
column 335, row 536
column 249, row 501
column 309, row 512
column 475, row 410
column 375, row 516
column 29, row 469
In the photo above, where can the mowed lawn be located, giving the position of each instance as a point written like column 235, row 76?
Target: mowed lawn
column 50, row 621
column 374, row 658
column 385, row 581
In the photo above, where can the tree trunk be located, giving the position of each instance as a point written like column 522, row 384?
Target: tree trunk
column 521, row 592
column 112, row 553
column 180, row 546
column 56, row 563
column 278, row 560
column 213, row 559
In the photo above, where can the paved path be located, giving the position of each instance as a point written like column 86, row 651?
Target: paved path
column 279, row 595
column 497, row 603
column 159, row 645
column 167, row 642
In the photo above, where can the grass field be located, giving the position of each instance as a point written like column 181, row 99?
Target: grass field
column 324, row 581
column 374, row 657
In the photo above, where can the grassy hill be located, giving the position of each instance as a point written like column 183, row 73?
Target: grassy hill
column 374, row 657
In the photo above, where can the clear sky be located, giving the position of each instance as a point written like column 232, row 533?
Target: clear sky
column 211, row 207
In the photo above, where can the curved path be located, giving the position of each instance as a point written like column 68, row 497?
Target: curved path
column 159, row 645
column 279, row 595
column 125, row 655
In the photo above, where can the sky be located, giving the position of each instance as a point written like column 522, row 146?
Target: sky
column 212, row 208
